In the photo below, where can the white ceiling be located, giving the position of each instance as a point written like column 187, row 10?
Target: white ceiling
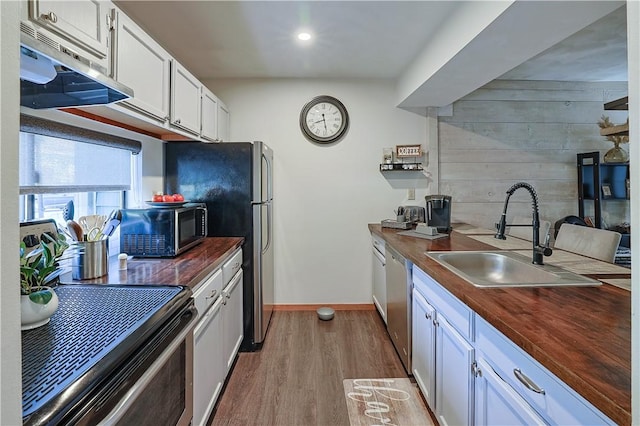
column 352, row 39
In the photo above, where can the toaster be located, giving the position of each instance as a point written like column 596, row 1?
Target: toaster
column 413, row 214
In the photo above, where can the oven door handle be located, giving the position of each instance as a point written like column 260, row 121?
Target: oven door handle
column 132, row 394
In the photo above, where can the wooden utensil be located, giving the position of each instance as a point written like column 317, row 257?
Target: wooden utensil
column 75, row 230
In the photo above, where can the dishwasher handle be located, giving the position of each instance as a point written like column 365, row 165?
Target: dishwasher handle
column 379, row 255
column 396, row 256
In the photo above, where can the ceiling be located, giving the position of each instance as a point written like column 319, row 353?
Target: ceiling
column 240, row 39
column 352, row 39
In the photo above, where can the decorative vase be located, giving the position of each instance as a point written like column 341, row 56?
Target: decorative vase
column 38, row 307
column 616, row 154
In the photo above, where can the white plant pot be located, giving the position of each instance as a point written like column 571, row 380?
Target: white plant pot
column 36, row 314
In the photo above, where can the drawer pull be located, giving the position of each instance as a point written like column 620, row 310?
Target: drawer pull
column 51, row 17
column 212, row 295
column 527, row 382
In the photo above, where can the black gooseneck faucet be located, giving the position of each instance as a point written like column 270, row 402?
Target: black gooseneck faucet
column 538, row 250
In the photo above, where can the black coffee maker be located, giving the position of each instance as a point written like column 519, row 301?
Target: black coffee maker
column 438, row 212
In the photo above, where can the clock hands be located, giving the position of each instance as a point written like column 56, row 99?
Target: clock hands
column 320, row 121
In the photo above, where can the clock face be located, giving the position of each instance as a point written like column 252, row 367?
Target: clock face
column 324, row 120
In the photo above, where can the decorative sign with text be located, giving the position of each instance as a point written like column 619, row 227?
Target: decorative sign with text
column 408, row 151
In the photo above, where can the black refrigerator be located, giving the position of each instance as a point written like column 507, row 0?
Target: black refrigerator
column 235, row 181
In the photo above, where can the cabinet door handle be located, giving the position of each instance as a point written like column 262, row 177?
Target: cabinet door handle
column 212, row 295
column 427, row 315
column 529, row 384
column 51, row 17
column 178, row 121
column 435, row 322
column 475, row 370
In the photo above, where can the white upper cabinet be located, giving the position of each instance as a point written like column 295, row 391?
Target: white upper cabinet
column 84, row 23
column 215, row 118
column 223, row 122
column 185, row 99
column 142, row 64
column 209, row 115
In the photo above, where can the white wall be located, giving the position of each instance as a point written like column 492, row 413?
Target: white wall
column 324, row 195
column 10, row 365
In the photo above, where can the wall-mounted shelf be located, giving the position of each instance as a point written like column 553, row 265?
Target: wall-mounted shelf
column 404, row 167
column 621, row 104
column 621, row 130
column 618, row 104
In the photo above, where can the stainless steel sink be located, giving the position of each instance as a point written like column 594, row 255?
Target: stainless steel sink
column 506, row 269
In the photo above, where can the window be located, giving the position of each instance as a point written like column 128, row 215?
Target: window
column 66, row 169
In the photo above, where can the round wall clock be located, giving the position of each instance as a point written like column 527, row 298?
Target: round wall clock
column 324, row 119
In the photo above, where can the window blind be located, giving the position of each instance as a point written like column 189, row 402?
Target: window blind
column 60, row 159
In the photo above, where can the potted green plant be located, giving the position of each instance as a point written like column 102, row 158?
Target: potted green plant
column 38, row 268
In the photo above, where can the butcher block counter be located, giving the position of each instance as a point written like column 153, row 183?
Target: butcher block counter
column 581, row 334
column 188, row 269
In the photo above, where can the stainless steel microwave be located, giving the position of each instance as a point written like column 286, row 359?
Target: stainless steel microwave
column 162, row 231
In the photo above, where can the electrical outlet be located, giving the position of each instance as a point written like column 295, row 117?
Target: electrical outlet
column 411, row 194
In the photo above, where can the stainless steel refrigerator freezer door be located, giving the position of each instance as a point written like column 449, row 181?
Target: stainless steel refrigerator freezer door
column 263, row 289
column 262, row 172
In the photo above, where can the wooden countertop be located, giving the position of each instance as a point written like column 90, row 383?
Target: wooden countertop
column 580, row 334
column 187, row 269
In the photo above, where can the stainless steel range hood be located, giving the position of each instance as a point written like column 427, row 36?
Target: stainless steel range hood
column 52, row 78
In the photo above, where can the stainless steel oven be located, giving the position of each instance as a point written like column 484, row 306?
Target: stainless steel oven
column 112, row 355
column 162, row 388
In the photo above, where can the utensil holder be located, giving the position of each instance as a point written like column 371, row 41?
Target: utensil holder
column 90, row 260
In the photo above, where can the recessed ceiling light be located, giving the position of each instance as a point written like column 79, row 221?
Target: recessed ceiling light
column 304, row 36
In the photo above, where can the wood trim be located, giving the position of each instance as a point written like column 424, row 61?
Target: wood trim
column 176, row 137
column 85, row 114
column 337, row 307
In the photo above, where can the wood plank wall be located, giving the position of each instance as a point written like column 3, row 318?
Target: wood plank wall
column 510, row 131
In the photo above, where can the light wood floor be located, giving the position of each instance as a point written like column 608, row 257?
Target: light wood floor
column 296, row 379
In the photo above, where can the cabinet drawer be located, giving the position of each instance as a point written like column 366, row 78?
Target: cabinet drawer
column 208, row 291
column 554, row 400
column 232, row 266
column 457, row 313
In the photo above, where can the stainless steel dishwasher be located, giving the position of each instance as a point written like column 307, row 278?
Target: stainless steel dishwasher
column 398, row 274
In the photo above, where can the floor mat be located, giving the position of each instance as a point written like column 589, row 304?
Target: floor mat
column 384, row 402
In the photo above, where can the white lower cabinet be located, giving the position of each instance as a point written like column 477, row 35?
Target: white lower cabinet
column 232, row 320
column 497, row 403
column 424, row 353
column 378, row 275
column 470, row 373
column 545, row 394
column 442, row 355
column 218, row 334
column 454, row 380
column 208, row 363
